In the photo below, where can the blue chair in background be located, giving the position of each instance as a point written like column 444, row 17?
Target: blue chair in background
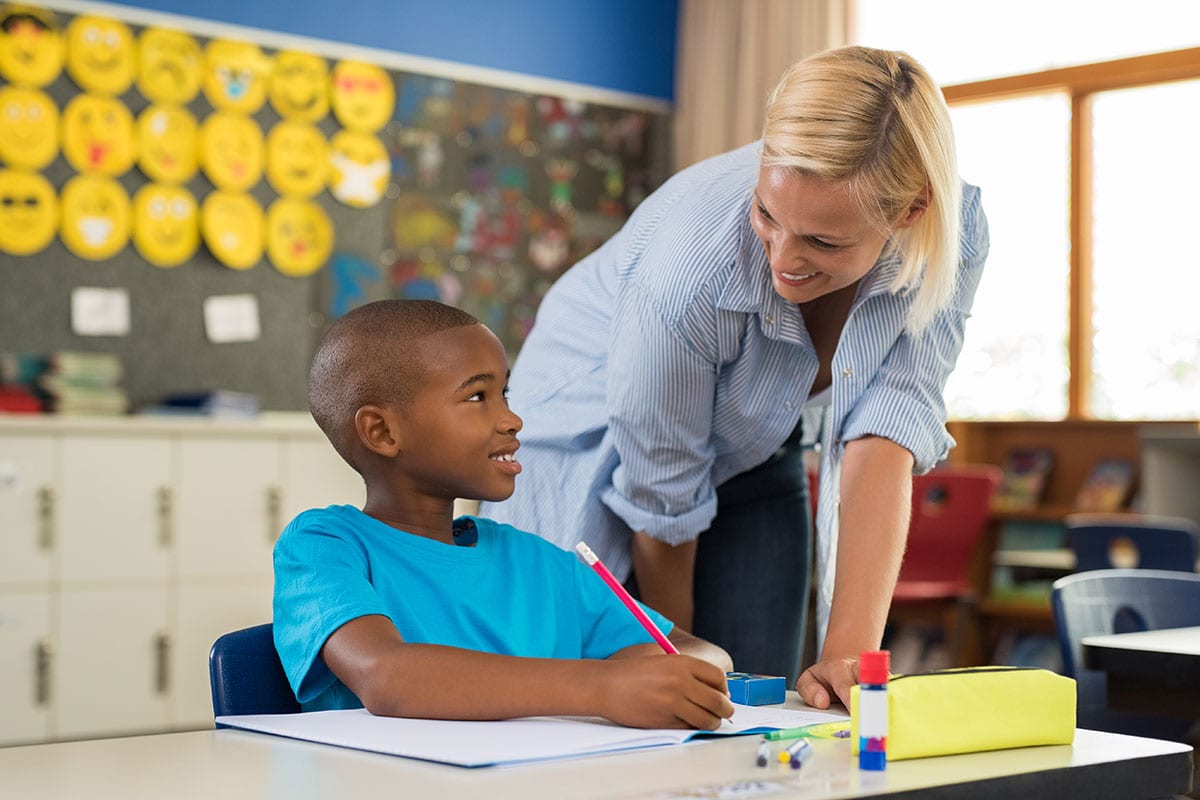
column 1105, row 542
column 246, row 676
column 1120, row 601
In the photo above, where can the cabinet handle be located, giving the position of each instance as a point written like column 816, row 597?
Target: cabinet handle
column 162, row 663
column 166, row 500
column 45, row 511
column 274, row 512
column 43, row 658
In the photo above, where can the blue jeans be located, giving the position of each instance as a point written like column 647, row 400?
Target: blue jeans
column 753, row 567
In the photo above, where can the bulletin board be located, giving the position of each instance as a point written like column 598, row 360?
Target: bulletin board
column 489, row 194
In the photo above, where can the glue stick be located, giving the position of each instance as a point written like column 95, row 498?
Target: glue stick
column 872, row 709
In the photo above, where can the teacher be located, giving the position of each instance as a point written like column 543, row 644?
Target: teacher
column 829, row 269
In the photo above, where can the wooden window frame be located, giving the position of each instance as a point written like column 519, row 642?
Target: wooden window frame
column 1080, row 84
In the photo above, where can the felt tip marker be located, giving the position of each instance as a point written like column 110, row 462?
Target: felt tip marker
column 593, row 561
column 799, row 752
column 764, row 753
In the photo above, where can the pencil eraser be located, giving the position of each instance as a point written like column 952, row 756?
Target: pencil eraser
column 750, row 689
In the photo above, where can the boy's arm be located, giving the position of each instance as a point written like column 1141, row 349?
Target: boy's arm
column 395, row 678
column 687, row 645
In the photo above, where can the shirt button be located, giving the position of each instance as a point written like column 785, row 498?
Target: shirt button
column 847, row 372
column 770, row 319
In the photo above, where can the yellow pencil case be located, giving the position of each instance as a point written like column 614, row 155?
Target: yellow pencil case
column 974, row 709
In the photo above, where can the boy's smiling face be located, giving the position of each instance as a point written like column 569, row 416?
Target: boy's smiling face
column 458, row 436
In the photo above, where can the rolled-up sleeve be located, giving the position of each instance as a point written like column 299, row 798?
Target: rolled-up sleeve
column 660, row 400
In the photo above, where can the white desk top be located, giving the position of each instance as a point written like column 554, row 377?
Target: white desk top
column 231, row 764
column 1184, row 641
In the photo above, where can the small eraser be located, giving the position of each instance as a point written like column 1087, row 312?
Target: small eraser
column 750, row 689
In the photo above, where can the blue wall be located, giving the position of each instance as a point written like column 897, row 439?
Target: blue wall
column 622, row 45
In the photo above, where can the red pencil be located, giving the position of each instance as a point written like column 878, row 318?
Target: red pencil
column 593, row 561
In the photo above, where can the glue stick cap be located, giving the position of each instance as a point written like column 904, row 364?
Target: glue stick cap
column 873, row 666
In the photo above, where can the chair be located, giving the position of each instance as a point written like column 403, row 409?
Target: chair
column 1119, row 601
column 951, row 507
column 246, row 676
column 1103, row 541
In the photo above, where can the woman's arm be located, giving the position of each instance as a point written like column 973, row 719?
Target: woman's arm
column 664, row 575
column 876, row 501
column 395, row 678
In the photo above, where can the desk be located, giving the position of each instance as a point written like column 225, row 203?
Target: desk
column 230, row 764
column 1156, row 672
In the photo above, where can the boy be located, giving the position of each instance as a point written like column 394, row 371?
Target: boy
column 408, row 612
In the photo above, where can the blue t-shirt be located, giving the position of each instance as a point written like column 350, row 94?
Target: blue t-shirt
column 511, row 593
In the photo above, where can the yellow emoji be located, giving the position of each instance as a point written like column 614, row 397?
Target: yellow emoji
column 235, row 75
column 28, row 212
column 166, row 227
column 297, row 159
column 231, row 150
column 97, row 134
column 232, row 226
column 100, row 54
column 168, row 66
column 363, row 96
column 167, row 143
column 300, row 86
column 299, row 236
column 359, row 168
column 28, row 128
column 31, row 47
column 95, row 217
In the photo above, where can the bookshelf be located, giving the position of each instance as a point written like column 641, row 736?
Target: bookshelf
column 1026, row 546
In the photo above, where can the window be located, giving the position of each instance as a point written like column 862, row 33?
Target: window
column 1085, row 151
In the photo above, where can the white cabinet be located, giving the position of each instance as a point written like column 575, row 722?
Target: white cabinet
column 127, row 546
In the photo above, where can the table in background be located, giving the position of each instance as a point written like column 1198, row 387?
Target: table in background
column 231, row 764
column 1155, row 672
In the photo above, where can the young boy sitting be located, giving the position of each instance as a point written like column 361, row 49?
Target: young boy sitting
column 409, row 612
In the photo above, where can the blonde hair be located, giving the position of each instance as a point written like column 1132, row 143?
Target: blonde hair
column 875, row 119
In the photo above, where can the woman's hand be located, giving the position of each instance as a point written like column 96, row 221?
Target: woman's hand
column 664, row 691
column 831, row 678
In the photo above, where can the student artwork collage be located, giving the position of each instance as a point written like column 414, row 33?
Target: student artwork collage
column 116, row 135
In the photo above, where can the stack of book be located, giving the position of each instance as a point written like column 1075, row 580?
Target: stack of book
column 208, row 403
column 83, row 383
column 18, row 374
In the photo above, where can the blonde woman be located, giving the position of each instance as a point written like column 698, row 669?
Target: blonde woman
column 810, row 287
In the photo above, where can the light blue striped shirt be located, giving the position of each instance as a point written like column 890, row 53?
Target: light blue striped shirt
column 664, row 363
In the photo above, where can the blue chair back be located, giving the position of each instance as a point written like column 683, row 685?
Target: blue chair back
column 246, row 676
column 1147, row 542
column 1118, row 601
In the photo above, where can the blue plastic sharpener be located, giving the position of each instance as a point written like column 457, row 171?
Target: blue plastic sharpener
column 755, row 690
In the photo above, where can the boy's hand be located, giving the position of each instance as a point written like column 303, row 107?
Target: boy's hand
column 664, row 691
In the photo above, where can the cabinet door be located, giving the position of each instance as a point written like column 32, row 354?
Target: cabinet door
column 115, row 502
column 205, row 610
column 112, row 666
column 25, row 653
column 27, row 506
column 228, row 502
column 315, row 476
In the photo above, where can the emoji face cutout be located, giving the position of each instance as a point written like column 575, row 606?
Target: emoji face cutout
column 232, row 226
column 28, row 212
column 167, row 143
column 166, row 226
column 300, row 86
column 97, row 134
column 358, row 168
column 297, row 159
column 231, row 150
column 100, row 54
column 168, row 66
column 31, row 47
column 235, row 75
column 95, row 217
column 28, row 128
column 363, row 96
column 299, row 236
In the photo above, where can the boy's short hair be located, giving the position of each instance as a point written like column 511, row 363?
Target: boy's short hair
column 368, row 357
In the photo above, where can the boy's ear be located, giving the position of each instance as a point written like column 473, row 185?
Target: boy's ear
column 378, row 428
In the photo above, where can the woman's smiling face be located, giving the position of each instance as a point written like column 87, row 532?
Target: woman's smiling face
column 817, row 239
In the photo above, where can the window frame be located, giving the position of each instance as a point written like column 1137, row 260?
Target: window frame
column 1081, row 83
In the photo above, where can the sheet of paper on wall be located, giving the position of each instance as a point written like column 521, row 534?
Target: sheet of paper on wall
column 99, row 312
column 231, row 318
